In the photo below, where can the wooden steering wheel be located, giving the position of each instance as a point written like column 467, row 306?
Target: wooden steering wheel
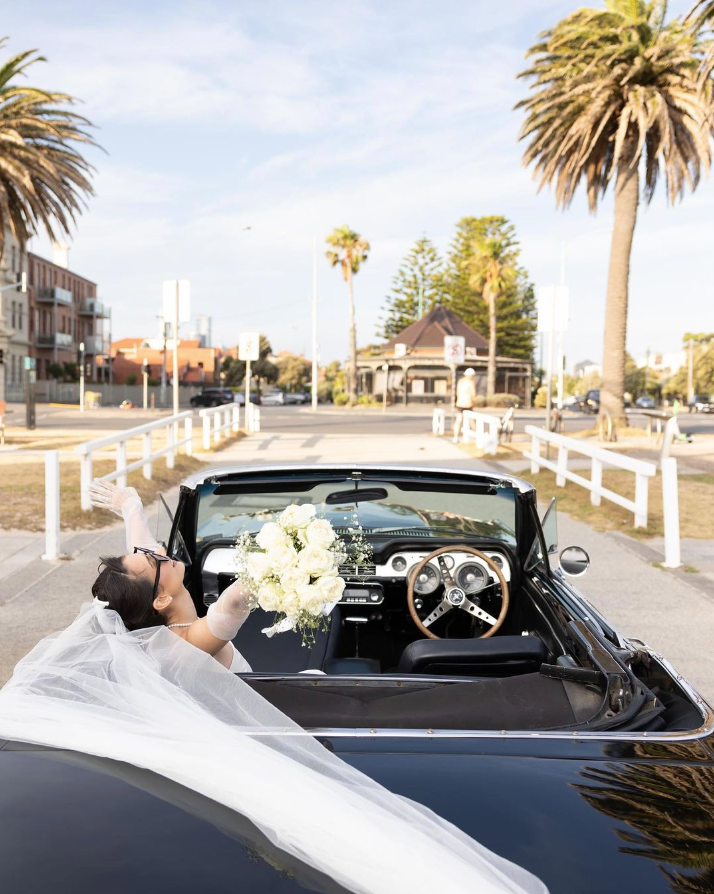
column 454, row 595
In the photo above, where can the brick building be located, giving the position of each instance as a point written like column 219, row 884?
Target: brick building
column 196, row 364
column 64, row 312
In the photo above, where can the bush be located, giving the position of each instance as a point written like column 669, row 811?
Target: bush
column 480, row 400
column 364, row 400
column 541, row 397
column 339, row 398
column 131, row 379
column 502, row 399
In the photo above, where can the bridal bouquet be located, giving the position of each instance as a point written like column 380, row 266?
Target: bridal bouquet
column 292, row 568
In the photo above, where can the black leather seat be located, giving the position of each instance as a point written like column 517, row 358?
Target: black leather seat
column 499, row 656
column 357, row 666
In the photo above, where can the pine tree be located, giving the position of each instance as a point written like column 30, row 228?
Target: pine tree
column 419, row 276
column 516, row 320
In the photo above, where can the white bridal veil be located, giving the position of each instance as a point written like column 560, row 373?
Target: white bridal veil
column 152, row 700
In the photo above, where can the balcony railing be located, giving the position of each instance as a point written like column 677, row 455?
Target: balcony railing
column 96, row 344
column 54, row 339
column 54, row 295
column 91, row 307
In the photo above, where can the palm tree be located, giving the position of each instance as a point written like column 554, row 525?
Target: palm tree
column 617, row 94
column 492, row 270
column 349, row 250
column 43, row 177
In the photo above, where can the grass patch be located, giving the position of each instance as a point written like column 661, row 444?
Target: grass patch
column 696, row 503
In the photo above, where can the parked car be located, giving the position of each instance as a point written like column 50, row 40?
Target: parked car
column 461, row 669
column 239, row 397
column 297, row 397
column 644, row 402
column 273, row 398
column 591, row 402
column 212, row 397
column 701, row 403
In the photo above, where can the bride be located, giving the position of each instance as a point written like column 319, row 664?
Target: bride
column 139, row 678
column 146, row 587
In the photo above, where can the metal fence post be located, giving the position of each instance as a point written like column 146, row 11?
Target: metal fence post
column 52, row 505
column 121, row 463
column 85, row 479
column 147, row 469
column 670, row 504
column 188, row 432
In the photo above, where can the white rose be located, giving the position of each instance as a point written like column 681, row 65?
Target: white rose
column 311, row 600
column 290, row 604
column 271, row 534
column 316, row 561
column 294, row 578
column 296, row 516
column 270, row 597
column 320, row 533
column 280, row 558
column 331, row 587
column 257, row 566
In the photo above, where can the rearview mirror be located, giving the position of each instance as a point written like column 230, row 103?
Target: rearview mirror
column 574, row 561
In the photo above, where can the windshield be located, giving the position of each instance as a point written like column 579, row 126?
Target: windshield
column 488, row 513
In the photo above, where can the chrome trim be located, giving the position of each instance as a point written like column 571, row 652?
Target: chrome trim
column 193, row 481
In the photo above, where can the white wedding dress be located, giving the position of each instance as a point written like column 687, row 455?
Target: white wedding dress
column 152, row 700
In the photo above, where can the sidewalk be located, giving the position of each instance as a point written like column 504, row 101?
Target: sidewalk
column 640, row 599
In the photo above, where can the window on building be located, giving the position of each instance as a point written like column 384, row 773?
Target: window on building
column 12, row 258
column 12, row 318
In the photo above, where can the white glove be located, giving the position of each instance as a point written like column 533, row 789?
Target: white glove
column 226, row 615
column 126, row 503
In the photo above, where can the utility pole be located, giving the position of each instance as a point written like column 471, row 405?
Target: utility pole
column 163, row 367
column 176, row 378
column 145, row 376
column 690, row 371
column 315, row 371
column 81, row 377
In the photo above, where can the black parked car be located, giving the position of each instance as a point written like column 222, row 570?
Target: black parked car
column 212, row 397
column 461, row 670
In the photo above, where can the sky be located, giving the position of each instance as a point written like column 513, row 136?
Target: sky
column 236, row 135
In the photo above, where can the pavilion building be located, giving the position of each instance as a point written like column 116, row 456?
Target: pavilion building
column 412, row 363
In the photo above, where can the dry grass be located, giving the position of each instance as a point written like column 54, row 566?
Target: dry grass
column 696, row 503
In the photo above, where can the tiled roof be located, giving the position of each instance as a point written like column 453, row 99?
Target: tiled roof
column 429, row 332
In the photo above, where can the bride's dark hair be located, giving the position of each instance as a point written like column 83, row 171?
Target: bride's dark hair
column 128, row 594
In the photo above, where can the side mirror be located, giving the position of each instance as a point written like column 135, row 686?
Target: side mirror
column 574, row 561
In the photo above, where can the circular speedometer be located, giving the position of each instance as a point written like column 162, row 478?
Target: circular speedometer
column 427, row 580
column 471, row 577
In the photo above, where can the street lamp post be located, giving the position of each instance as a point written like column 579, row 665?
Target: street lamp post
column 385, row 369
column 81, row 377
column 145, row 376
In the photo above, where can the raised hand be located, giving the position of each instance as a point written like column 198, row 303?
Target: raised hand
column 106, row 495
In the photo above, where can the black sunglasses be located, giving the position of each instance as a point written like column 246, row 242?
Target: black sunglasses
column 158, row 558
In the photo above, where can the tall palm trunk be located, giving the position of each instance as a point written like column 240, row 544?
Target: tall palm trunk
column 491, row 374
column 612, row 398
column 352, row 389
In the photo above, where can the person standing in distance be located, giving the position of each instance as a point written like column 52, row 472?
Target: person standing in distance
column 465, row 399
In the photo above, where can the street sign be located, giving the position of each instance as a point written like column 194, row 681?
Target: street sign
column 553, row 308
column 454, row 349
column 249, row 346
column 184, row 294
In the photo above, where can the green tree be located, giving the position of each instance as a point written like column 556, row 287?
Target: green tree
column 43, row 177
column 418, row 284
column 262, row 368
column 349, row 250
column 702, row 366
column 294, row 372
column 516, row 321
column 617, row 91
column 492, row 268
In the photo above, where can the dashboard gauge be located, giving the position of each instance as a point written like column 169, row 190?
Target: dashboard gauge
column 399, row 563
column 427, row 580
column 497, row 560
column 471, row 577
column 448, row 561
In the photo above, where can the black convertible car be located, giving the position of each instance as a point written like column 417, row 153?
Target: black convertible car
column 459, row 669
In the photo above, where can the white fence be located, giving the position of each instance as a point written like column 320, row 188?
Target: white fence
column 600, row 457
column 482, row 429
column 171, row 425
column 221, row 421
column 438, row 421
